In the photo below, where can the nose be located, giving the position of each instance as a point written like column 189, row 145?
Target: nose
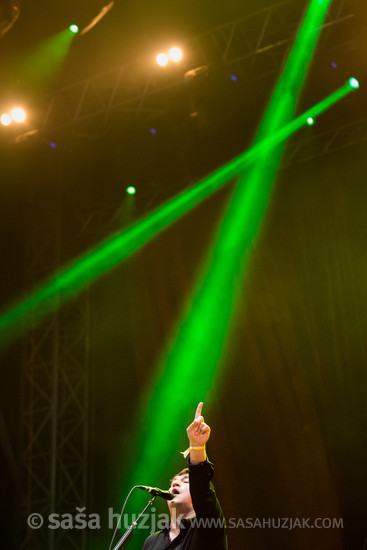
column 176, row 483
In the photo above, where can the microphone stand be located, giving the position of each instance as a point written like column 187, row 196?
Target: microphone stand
column 129, row 533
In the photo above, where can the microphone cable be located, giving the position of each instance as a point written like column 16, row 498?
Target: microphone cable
column 120, row 516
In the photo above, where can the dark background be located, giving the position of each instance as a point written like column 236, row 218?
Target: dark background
column 289, row 414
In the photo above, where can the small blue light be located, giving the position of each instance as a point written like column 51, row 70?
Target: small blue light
column 53, row 145
column 233, row 77
column 334, row 65
column 153, row 131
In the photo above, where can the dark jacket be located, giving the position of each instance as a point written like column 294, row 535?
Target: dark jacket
column 207, row 530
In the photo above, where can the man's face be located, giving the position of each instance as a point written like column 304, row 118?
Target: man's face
column 180, row 488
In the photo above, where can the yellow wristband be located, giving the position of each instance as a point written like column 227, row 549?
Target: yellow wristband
column 187, row 452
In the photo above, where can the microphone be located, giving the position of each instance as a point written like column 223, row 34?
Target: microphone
column 156, row 492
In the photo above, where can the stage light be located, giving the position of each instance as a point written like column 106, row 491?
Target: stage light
column 131, row 190
column 18, row 114
column 310, row 121
column 153, row 131
column 74, row 29
column 53, row 145
column 353, row 83
column 233, row 77
column 175, row 54
column 334, row 65
column 162, row 59
column 5, row 119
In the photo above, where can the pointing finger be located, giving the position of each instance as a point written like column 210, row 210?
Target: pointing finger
column 198, row 410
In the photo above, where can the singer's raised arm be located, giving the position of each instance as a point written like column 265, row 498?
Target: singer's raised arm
column 196, row 519
column 198, row 434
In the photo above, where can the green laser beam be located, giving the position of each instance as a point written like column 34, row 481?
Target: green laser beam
column 71, row 280
column 287, row 91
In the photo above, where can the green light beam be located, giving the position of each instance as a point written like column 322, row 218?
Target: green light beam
column 71, row 280
column 287, row 92
column 193, row 360
column 43, row 63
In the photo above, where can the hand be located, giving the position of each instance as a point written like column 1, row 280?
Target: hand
column 198, row 432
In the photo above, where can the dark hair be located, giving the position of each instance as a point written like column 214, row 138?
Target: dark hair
column 182, row 473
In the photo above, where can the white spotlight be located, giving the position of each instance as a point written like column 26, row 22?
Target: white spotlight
column 162, row 59
column 5, row 119
column 175, row 54
column 18, row 114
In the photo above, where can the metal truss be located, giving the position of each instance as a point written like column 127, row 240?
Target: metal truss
column 253, row 45
column 256, row 43
column 56, row 377
column 311, row 145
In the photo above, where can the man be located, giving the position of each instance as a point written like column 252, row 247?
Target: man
column 197, row 521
